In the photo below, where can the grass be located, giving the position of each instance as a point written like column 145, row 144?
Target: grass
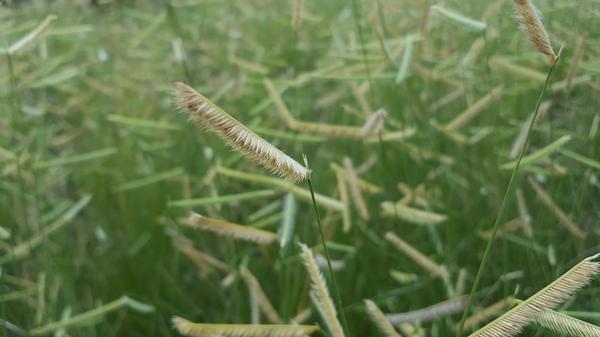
column 96, row 166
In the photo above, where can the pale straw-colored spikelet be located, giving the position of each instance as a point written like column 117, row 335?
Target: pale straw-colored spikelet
column 335, row 131
column 374, row 123
column 410, row 214
column 508, row 227
column 320, row 294
column 205, row 263
column 263, row 301
column 474, row 110
column 567, row 325
column 556, row 293
column 379, row 318
column 188, row 328
column 524, row 213
column 32, row 36
column 418, row 257
column 486, row 313
column 345, row 199
column 364, row 185
column 558, row 212
column 355, row 193
column 236, row 135
column 225, row 228
column 430, row 313
column 461, row 281
column 279, row 104
column 359, row 92
column 301, row 317
column 532, row 24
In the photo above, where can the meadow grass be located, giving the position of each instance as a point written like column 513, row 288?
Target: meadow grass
column 97, row 167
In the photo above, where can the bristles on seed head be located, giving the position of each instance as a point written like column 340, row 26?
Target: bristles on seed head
column 532, row 24
column 236, row 135
column 556, row 293
column 320, row 293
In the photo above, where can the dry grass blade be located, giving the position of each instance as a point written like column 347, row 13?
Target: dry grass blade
column 355, row 192
column 552, row 295
column 303, row 194
column 486, row 313
column 558, row 212
column 336, row 131
column 344, row 198
column 205, row 263
column 279, row 104
column 32, row 36
column 301, row 317
column 567, row 325
column 418, row 257
column 474, row 110
column 236, row 134
column 23, row 249
column 188, row 328
column 320, row 293
column 263, row 301
column 430, row 313
column 235, row 231
column 379, row 318
column 532, row 23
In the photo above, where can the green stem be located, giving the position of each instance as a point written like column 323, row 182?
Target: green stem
column 355, row 11
column 336, row 291
column 505, row 200
column 176, row 29
column 123, row 301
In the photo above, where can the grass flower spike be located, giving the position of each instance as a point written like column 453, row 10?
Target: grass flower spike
column 553, row 295
column 188, row 328
column 320, row 293
column 532, row 23
column 236, row 135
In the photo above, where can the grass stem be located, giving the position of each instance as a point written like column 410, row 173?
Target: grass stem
column 505, row 200
column 336, row 291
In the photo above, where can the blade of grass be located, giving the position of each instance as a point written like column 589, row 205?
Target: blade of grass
column 122, row 302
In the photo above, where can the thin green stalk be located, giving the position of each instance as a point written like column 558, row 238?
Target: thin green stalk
column 355, row 11
column 336, row 291
column 505, row 200
column 122, row 302
column 176, row 29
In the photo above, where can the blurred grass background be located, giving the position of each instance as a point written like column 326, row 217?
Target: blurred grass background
column 98, row 84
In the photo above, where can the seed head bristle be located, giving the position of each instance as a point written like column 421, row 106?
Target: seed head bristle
column 320, row 293
column 556, row 293
column 532, row 24
column 236, row 135
column 566, row 325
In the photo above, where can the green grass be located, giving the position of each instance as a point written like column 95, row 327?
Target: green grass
column 87, row 110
